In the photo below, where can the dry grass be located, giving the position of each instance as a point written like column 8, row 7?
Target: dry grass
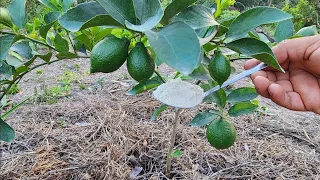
column 119, row 137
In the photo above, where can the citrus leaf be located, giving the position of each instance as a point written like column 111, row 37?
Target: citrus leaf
column 23, row 48
column 210, row 35
column 252, row 18
column 5, row 43
column 242, row 94
column 201, row 73
column 204, row 118
column 66, row 55
column 87, row 15
column 219, row 97
column 45, row 57
column 5, row 18
column 13, row 60
column 6, row 132
column 144, row 86
column 257, row 49
column 120, row 10
column 51, row 17
column 220, row 67
column 148, row 24
column 18, row 13
column 66, row 4
column 174, row 8
column 242, row 108
column 307, row 31
column 196, row 16
column 49, row 4
column 43, row 30
column 61, row 44
column 177, row 45
column 147, row 9
column 158, row 111
column 5, row 71
column 284, row 30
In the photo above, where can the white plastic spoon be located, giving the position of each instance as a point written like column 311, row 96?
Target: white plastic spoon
column 181, row 94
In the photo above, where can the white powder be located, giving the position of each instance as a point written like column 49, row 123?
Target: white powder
column 178, row 93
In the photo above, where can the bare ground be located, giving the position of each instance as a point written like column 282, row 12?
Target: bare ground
column 108, row 135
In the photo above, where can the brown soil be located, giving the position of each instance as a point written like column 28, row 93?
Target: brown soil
column 107, row 134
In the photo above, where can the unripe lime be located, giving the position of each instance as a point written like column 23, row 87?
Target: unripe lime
column 139, row 63
column 220, row 68
column 109, row 54
column 221, row 134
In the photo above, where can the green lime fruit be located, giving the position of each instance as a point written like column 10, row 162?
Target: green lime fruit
column 5, row 18
column 139, row 63
column 109, row 54
column 220, row 68
column 221, row 134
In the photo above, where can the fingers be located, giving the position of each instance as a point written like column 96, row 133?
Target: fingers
column 289, row 100
column 292, row 50
column 261, row 84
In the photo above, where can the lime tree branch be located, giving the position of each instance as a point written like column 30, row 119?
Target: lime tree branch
column 19, row 77
column 31, row 39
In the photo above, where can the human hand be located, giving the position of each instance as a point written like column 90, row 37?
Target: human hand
column 299, row 87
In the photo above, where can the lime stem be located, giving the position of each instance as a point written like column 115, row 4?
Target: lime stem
column 159, row 75
column 172, row 140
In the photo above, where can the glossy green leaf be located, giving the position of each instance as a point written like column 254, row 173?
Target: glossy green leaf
column 5, row 18
column 18, row 13
column 5, row 43
column 49, row 4
column 307, row 31
column 149, row 12
column 146, row 9
column 85, row 40
column 242, row 108
column 144, row 86
column 43, row 30
column 256, row 49
column 284, row 30
column 23, row 48
column 61, row 44
column 204, row 118
column 20, row 70
column 242, row 94
column 252, row 18
column 219, row 97
column 14, row 60
column 5, row 71
column 6, row 132
column 177, row 45
column 87, row 15
column 51, row 17
column 174, row 8
column 120, row 10
column 66, row 55
column 196, row 16
column 158, row 111
column 45, row 57
column 66, row 4
column 220, row 67
column 201, row 73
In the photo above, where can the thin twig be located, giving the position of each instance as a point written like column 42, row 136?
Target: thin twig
column 73, row 46
column 172, row 140
column 31, row 39
column 159, row 75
